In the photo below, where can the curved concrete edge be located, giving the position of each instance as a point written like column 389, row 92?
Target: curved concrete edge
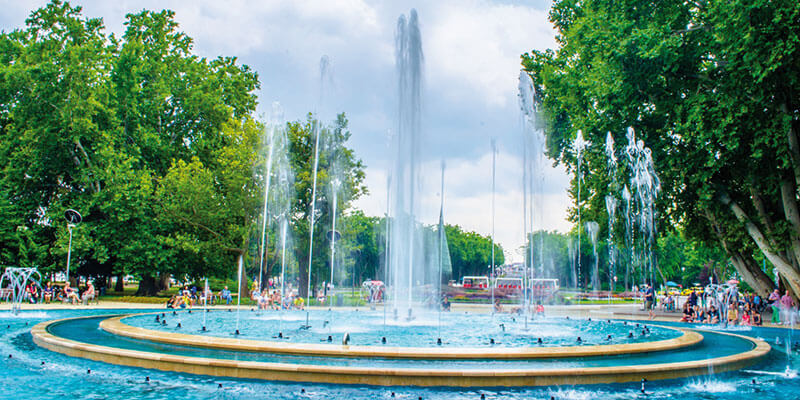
column 397, row 376
column 115, row 326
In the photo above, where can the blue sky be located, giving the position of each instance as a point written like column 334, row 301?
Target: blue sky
column 471, row 52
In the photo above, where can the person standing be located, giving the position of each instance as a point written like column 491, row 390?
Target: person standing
column 649, row 299
column 774, row 301
column 787, row 306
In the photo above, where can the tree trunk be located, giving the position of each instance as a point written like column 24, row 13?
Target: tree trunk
column 794, row 145
column 163, row 281
column 789, row 198
column 783, row 265
column 148, row 286
column 745, row 265
column 302, row 262
column 120, row 286
column 752, row 274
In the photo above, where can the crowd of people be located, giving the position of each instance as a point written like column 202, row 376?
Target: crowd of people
column 265, row 299
column 735, row 308
column 34, row 294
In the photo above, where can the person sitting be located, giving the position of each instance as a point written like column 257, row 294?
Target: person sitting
column 70, row 294
column 225, row 294
column 733, row 314
column 299, row 302
column 498, row 308
column 699, row 314
column 756, row 318
column 88, row 294
column 48, row 293
column 264, row 300
column 688, row 313
column 172, row 302
column 746, row 318
column 445, row 303
column 669, row 303
column 276, row 300
column 712, row 316
column 185, row 300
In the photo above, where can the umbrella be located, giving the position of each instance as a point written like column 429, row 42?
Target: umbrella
column 672, row 284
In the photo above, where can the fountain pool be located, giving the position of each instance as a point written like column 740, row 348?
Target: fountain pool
column 514, row 359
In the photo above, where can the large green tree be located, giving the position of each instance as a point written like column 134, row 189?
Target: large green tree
column 95, row 122
column 336, row 161
column 711, row 88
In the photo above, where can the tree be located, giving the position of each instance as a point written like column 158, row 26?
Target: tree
column 710, row 88
column 302, row 139
column 95, row 122
column 470, row 252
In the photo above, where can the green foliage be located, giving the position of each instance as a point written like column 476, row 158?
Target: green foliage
column 96, row 123
column 710, row 87
column 470, row 252
column 335, row 160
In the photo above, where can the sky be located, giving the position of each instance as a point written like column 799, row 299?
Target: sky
column 472, row 60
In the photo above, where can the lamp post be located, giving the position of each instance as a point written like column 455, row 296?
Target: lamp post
column 73, row 219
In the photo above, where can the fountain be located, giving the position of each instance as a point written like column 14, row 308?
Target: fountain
column 645, row 187
column 18, row 279
column 407, row 269
column 454, row 350
column 579, row 146
column 592, row 229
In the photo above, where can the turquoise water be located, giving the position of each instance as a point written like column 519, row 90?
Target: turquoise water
column 714, row 345
column 23, row 376
column 367, row 328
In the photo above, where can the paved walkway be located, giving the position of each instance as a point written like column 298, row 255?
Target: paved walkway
column 598, row 311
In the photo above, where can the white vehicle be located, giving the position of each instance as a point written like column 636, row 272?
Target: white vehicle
column 475, row 282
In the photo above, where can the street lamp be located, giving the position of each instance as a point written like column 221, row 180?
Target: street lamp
column 73, row 219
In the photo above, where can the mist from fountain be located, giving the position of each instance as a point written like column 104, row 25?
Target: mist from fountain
column 645, row 187
column 280, row 207
column 626, row 197
column 407, row 270
column 611, row 209
column 274, row 125
column 592, row 229
column 579, row 146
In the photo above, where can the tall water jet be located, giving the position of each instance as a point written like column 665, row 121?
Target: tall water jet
column 407, row 263
column 494, row 276
column 592, row 229
column 645, row 187
column 626, row 196
column 533, row 158
column 526, row 99
column 573, row 251
column 281, row 200
column 336, row 180
column 579, row 146
column 442, row 247
column 611, row 208
column 274, row 125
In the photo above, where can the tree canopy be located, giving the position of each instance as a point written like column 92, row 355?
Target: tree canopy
column 711, row 88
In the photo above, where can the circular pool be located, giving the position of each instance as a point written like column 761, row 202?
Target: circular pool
column 516, row 358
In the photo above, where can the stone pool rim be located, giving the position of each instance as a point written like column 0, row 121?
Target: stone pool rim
column 116, row 326
column 396, row 376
